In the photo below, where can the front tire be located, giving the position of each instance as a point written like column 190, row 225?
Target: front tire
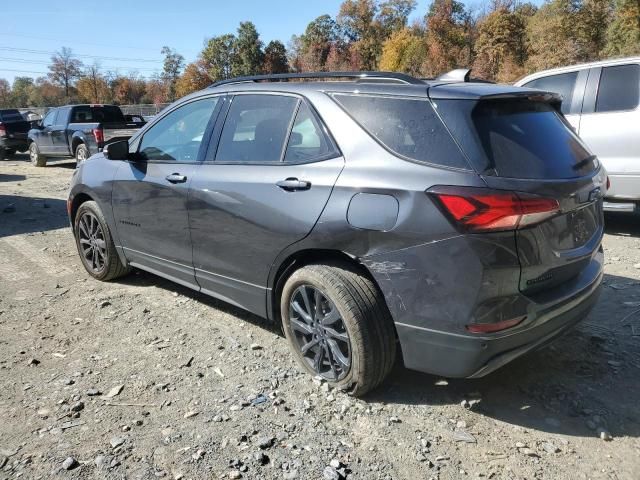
column 95, row 244
column 37, row 160
column 82, row 153
column 339, row 327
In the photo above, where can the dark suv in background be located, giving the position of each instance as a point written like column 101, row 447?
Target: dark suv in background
column 459, row 222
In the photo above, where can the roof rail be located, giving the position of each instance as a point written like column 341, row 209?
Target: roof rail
column 391, row 77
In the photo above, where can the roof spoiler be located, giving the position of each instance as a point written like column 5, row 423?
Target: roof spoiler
column 457, row 75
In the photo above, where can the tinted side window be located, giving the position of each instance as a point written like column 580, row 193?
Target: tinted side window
column 563, row 84
column 407, row 127
column 256, row 128
column 177, row 137
column 619, row 88
column 49, row 118
column 307, row 140
column 61, row 118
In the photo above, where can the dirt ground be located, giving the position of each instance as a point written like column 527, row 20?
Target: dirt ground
column 141, row 378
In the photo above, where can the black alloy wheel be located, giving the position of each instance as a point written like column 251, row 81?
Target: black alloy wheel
column 320, row 333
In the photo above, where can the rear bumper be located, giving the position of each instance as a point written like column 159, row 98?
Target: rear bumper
column 14, row 143
column 452, row 355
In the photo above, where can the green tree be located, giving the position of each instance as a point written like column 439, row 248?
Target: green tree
column 218, row 56
column 394, row 14
column 65, row 69
column 172, row 67
column 593, row 19
column 248, row 55
column 623, row 34
column 5, row 94
column 316, row 43
column 275, row 58
column 21, row 91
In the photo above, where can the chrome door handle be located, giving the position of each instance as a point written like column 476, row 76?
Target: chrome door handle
column 176, row 178
column 292, row 184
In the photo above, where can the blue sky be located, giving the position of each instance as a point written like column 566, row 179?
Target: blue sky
column 131, row 33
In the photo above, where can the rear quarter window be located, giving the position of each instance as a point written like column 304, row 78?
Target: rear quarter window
column 408, row 127
column 619, row 88
column 517, row 138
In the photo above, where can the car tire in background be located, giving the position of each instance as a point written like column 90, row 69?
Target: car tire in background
column 37, row 160
column 95, row 244
column 82, row 153
column 339, row 327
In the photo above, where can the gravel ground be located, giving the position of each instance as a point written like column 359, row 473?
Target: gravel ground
column 144, row 379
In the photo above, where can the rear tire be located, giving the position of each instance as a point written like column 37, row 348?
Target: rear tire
column 82, row 153
column 364, row 334
column 37, row 160
column 95, row 244
column 3, row 153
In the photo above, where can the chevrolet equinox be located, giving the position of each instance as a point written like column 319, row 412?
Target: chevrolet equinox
column 455, row 222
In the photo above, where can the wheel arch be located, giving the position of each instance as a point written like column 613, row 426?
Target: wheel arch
column 75, row 142
column 304, row 257
column 77, row 200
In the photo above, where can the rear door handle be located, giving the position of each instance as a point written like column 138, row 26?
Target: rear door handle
column 292, row 184
column 176, row 178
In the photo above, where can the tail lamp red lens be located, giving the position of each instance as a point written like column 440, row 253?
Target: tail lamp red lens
column 3, row 130
column 608, row 182
column 482, row 210
column 494, row 327
column 98, row 134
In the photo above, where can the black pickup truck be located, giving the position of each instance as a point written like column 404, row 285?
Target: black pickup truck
column 78, row 131
column 13, row 133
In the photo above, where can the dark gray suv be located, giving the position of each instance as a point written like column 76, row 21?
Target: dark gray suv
column 458, row 223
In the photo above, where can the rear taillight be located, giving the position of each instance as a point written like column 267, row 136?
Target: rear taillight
column 483, row 210
column 3, row 130
column 98, row 134
column 608, row 182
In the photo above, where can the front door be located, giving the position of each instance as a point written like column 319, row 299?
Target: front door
column 43, row 134
column 262, row 190
column 150, row 192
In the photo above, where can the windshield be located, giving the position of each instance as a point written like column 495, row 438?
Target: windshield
column 517, row 138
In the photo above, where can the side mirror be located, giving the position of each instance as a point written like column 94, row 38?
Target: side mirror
column 117, row 150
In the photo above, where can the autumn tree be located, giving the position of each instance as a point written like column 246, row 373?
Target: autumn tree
column 357, row 19
column 194, row 78
column 65, row 69
column 594, row 17
column 316, row 43
column 128, row 90
column 552, row 37
column 500, row 47
column 623, row 34
column 404, row 51
column 218, row 56
column 92, row 86
column 448, row 37
column 275, row 58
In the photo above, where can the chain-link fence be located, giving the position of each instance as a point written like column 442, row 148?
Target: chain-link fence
column 146, row 110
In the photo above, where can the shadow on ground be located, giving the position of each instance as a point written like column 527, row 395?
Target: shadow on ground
column 21, row 158
column 20, row 214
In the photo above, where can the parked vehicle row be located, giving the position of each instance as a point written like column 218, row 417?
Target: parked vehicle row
column 459, row 223
column 78, row 131
column 602, row 102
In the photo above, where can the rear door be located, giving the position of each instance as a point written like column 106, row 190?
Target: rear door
column 150, row 193
column 611, row 124
column 262, row 189
column 527, row 147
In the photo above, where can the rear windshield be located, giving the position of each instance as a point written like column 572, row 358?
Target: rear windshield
column 517, row 138
column 88, row 114
column 409, row 127
column 10, row 116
